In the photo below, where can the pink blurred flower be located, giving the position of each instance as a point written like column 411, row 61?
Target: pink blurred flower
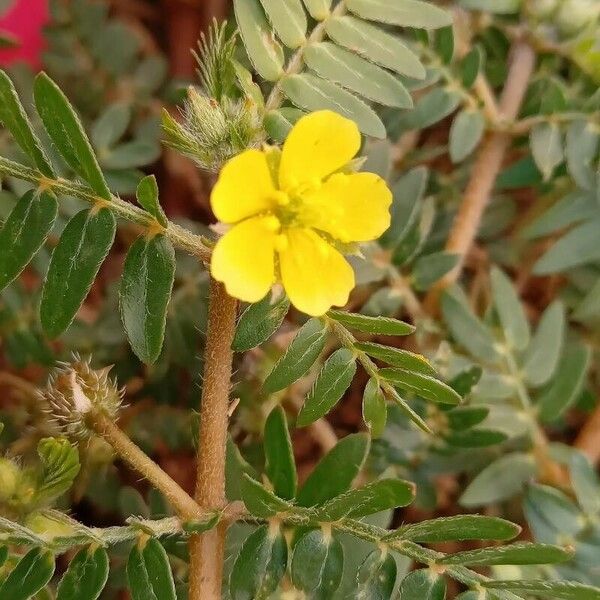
column 24, row 20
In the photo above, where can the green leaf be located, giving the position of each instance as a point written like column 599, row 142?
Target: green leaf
column 279, row 455
column 30, row 575
column 470, row 66
column 465, row 134
column 567, row 384
column 555, row 590
column 67, row 133
column 264, row 51
column 380, row 495
column 259, row 322
column 581, row 150
column 515, row 554
column 336, row 471
column 259, row 500
column 3, row 555
column 444, row 44
column 318, row 9
column 423, row 385
column 406, row 13
column 145, row 292
column 468, row 330
column 278, row 123
column 356, row 74
column 422, row 584
column 543, row 354
column 396, row 357
column 313, row 93
column 476, row 438
column 299, row 357
column 60, row 465
column 110, row 126
column 375, row 44
column 502, row 479
column 431, row 268
column 462, row 418
column 586, row 483
column 331, row 384
column 24, row 232
column 500, row 7
column 431, row 108
column 374, row 408
column 75, row 262
column 15, row 119
column 373, row 325
column 546, row 147
column 288, row 19
column 376, row 576
column 259, row 566
column 147, row 196
column 149, row 572
column 510, row 311
column 407, row 410
column 466, row 380
column 578, row 247
column 317, row 565
column 86, row 576
column 459, row 528
column 415, row 234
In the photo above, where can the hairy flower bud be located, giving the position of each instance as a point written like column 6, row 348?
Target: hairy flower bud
column 543, row 9
column 575, row 15
column 9, row 478
column 75, row 391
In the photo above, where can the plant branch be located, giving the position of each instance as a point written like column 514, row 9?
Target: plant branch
column 181, row 238
column 486, row 168
column 207, row 549
column 183, row 503
column 588, row 440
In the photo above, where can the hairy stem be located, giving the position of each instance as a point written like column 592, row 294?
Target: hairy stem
column 486, row 168
column 207, row 549
column 181, row 238
column 181, row 501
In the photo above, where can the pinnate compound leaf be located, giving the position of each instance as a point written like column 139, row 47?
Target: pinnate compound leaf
column 459, row 528
column 317, row 565
column 86, row 576
column 422, row 584
column 15, row 119
column 24, row 232
column 145, row 292
column 259, row 322
column 279, row 455
column 405, row 13
column 373, row 325
column 336, row 471
column 331, row 384
column 311, row 93
column 67, row 133
column 149, row 572
column 75, row 262
column 147, row 196
column 259, row 566
column 264, row 51
column 375, row 44
column 299, row 357
column 30, row 575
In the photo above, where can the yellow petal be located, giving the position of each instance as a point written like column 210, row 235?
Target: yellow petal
column 244, row 258
column 314, row 274
column 319, row 144
column 350, row 208
column 244, row 188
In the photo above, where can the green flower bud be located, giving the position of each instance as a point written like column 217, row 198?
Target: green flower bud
column 575, row 15
column 542, row 9
column 75, row 391
column 9, row 478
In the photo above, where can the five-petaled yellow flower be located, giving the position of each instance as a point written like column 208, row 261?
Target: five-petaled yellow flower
column 290, row 209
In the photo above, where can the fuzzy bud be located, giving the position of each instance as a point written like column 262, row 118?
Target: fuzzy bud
column 9, row 479
column 543, row 9
column 575, row 15
column 75, row 391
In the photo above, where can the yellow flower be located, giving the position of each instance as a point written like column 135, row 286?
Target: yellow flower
column 289, row 210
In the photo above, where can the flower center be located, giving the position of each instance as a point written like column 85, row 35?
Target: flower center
column 291, row 206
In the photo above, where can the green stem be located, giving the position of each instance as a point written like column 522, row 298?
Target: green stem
column 181, row 238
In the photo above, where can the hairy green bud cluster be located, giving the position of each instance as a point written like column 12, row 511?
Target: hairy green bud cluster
column 75, row 391
column 211, row 132
column 568, row 17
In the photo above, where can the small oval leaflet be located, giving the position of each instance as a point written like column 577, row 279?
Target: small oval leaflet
column 149, row 572
column 86, row 576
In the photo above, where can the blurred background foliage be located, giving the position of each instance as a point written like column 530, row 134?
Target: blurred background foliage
column 518, row 337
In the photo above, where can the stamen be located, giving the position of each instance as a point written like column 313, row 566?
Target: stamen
column 272, row 223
